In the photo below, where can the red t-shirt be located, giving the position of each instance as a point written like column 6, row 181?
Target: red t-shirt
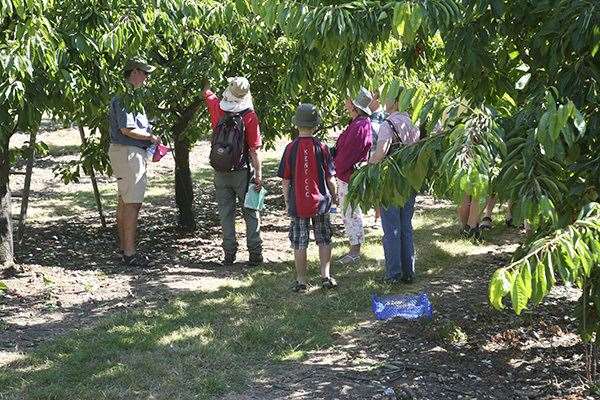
column 307, row 164
column 251, row 124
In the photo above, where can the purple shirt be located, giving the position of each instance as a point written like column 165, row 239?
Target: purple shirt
column 352, row 147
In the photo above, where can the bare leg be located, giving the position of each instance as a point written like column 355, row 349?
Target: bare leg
column 463, row 210
column 489, row 207
column 355, row 250
column 325, row 259
column 474, row 213
column 129, row 217
column 300, row 260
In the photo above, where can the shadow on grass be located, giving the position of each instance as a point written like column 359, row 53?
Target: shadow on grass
column 198, row 346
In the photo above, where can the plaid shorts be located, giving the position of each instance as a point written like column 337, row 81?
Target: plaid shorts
column 299, row 231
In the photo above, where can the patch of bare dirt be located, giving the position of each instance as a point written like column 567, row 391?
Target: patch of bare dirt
column 71, row 276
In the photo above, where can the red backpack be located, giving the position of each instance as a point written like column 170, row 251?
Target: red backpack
column 228, row 149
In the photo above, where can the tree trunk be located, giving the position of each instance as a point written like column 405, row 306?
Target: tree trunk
column 184, row 190
column 6, row 235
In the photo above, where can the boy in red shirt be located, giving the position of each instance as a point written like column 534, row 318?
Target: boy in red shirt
column 308, row 189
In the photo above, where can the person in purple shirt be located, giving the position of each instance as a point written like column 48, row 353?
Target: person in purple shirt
column 352, row 147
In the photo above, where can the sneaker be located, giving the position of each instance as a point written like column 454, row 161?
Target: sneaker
column 136, row 260
column 255, row 260
column 228, row 260
column 299, row 287
column 486, row 223
column 349, row 259
column 391, row 281
column 328, row 283
column 408, row 279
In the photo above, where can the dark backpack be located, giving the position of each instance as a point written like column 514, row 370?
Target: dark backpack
column 228, row 150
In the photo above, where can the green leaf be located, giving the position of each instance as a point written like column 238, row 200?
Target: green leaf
column 521, row 289
column 499, row 287
column 540, row 286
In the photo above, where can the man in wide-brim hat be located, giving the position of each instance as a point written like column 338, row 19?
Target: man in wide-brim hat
column 131, row 134
column 231, row 186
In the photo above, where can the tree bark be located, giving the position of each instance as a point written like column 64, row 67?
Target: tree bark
column 93, row 179
column 184, row 190
column 6, row 234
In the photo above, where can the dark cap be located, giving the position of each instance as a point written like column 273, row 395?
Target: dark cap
column 137, row 63
column 307, row 116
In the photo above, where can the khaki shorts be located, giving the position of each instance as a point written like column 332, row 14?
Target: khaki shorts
column 129, row 167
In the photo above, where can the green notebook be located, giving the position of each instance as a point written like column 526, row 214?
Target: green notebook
column 255, row 200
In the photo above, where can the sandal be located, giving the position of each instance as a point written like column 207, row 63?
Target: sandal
column 328, row 283
column 299, row 287
column 474, row 233
column 136, row 260
column 486, row 223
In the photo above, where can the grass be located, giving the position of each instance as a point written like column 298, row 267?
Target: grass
column 203, row 345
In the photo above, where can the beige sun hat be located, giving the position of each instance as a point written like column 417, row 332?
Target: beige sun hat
column 237, row 97
column 362, row 100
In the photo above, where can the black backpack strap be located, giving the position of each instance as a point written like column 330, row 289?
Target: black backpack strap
column 391, row 124
column 246, row 150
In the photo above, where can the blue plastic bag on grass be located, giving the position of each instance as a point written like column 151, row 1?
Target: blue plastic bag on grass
column 403, row 306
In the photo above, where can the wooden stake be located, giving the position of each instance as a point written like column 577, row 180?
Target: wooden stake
column 26, row 186
column 94, row 182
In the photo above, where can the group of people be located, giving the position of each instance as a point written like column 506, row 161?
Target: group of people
column 314, row 177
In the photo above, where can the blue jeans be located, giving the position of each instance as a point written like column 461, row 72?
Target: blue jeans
column 398, row 243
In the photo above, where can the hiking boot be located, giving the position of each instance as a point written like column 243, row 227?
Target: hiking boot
column 255, row 260
column 136, row 260
column 228, row 260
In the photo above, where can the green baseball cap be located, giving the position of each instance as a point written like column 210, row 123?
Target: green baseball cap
column 307, row 116
column 137, row 63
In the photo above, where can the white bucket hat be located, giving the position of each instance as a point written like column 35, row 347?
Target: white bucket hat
column 236, row 97
column 363, row 99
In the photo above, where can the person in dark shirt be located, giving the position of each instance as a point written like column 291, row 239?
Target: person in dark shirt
column 130, row 134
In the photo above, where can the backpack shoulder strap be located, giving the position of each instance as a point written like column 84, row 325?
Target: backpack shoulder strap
column 391, row 124
column 319, row 154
